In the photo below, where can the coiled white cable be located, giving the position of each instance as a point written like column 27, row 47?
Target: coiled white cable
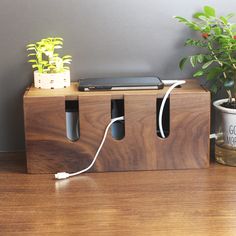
column 64, row 175
column 175, row 83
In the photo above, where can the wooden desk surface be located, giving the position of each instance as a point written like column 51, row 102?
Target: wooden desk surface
column 190, row 202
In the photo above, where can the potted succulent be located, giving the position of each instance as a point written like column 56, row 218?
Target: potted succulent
column 51, row 70
column 216, row 62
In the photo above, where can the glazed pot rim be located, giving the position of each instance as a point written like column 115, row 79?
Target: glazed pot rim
column 217, row 105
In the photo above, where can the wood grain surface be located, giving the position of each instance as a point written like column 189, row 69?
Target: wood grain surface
column 198, row 202
column 49, row 150
column 72, row 92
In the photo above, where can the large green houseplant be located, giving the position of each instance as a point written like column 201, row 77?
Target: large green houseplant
column 51, row 70
column 216, row 62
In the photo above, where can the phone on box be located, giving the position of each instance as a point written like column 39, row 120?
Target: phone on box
column 120, row 83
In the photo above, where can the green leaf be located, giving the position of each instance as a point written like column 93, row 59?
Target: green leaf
column 58, row 42
column 200, row 58
column 217, row 30
column 193, row 60
column 181, row 19
column 67, row 60
column 208, row 57
column 30, row 48
column 58, row 38
column 228, row 84
column 190, row 24
column 189, row 42
column 182, row 63
column 224, row 20
column 31, row 54
column 196, row 43
column 230, row 15
column 193, row 26
column 198, row 73
column 206, row 29
column 30, row 45
column 213, row 73
column 204, row 18
column 44, row 62
column 52, row 67
column 233, row 27
column 207, row 64
column 58, row 47
column 198, row 14
column 209, row 11
column 214, row 88
column 35, row 66
column 32, row 61
column 66, row 56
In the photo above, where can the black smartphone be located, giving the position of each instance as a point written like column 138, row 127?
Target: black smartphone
column 120, row 83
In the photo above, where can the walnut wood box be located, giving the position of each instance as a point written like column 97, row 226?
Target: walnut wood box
column 49, row 150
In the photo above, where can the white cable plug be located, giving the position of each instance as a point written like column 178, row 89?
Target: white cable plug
column 175, row 83
column 213, row 136
column 169, row 82
column 64, row 175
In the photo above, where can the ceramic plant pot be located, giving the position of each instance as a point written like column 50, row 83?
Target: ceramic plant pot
column 225, row 128
column 52, row 80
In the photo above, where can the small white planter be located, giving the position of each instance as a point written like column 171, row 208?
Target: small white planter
column 52, row 81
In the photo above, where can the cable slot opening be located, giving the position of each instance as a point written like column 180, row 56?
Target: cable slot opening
column 72, row 120
column 165, row 119
column 118, row 127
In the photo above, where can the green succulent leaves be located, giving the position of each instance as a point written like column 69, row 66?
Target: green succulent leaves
column 216, row 39
column 44, row 58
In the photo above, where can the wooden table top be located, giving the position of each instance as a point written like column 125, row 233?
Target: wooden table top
column 189, row 202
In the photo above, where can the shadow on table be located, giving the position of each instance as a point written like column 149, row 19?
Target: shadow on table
column 12, row 162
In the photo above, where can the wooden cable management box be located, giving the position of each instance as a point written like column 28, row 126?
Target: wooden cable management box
column 49, row 150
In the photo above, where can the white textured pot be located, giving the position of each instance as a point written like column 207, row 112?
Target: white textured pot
column 52, row 81
column 225, row 129
column 228, row 119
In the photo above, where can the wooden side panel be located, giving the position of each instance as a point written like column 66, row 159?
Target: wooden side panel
column 188, row 143
column 95, row 114
column 44, row 133
column 136, row 151
column 48, row 149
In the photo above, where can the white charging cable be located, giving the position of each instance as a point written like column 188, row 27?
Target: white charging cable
column 64, row 175
column 213, row 136
column 174, row 84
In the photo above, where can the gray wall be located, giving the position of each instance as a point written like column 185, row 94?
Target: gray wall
column 105, row 37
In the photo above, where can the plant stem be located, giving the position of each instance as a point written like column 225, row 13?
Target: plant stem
column 230, row 58
column 230, row 95
column 234, row 91
column 216, row 58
